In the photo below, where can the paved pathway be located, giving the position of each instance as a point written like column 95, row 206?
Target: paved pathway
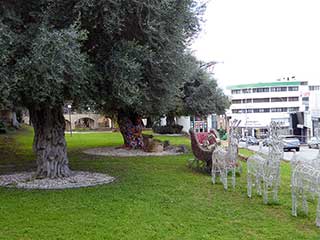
column 307, row 153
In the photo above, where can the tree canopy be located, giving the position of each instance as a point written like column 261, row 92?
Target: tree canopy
column 202, row 95
column 41, row 64
column 139, row 51
column 128, row 58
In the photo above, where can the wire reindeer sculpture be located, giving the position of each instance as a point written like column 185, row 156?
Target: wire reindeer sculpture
column 305, row 180
column 225, row 160
column 265, row 169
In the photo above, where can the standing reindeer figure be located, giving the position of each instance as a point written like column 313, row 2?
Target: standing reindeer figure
column 266, row 168
column 305, row 178
column 224, row 161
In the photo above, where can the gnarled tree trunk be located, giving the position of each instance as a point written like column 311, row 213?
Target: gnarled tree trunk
column 49, row 142
column 131, row 129
column 149, row 122
column 170, row 119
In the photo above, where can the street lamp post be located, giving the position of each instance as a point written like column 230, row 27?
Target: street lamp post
column 69, row 110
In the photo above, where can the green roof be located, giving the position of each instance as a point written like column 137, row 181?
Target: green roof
column 265, row 84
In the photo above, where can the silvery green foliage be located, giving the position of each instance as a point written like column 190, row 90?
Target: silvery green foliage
column 7, row 40
column 55, row 69
column 224, row 161
column 139, row 51
column 265, row 169
column 202, row 96
column 126, row 67
column 41, row 64
column 305, row 181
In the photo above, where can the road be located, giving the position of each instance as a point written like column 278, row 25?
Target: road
column 305, row 152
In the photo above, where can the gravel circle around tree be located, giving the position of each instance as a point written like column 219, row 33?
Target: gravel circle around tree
column 78, row 179
column 122, row 152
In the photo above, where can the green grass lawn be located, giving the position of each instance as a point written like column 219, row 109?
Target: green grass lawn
column 152, row 198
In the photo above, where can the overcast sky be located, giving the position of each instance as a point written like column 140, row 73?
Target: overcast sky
column 261, row 40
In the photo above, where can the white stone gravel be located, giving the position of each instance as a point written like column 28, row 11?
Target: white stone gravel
column 121, row 152
column 77, row 180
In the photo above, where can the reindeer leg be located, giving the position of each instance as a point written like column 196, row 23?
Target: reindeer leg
column 249, row 184
column 234, row 177
column 258, row 185
column 304, row 202
column 224, row 178
column 275, row 192
column 213, row 175
column 294, row 193
column 265, row 192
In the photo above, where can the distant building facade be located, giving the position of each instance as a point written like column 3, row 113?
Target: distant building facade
column 293, row 103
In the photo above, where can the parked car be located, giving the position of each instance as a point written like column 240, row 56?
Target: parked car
column 266, row 142
column 314, row 143
column 251, row 140
column 291, row 142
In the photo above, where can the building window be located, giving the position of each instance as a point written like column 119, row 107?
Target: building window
column 261, row 110
column 280, row 99
column 293, row 109
column 236, row 101
column 258, row 90
column 278, row 89
column 246, row 90
column 293, row 99
column 238, row 110
column 249, row 110
column 249, row 100
column 261, row 100
column 279, row 109
column 305, row 101
column 291, row 89
column 236, row 91
column 303, row 83
column 314, row 88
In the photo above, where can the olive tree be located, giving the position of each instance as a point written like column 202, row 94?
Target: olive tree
column 42, row 66
column 139, row 51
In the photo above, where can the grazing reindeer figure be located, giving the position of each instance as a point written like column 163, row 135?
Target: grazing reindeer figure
column 225, row 160
column 266, row 168
column 305, row 178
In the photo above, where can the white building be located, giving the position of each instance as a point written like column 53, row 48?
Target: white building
column 294, row 103
column 199, row 124
column 314, row 105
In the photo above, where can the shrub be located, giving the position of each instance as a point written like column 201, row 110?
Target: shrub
column 173, row 129
column 225, row 137
column 198, row 166
column 221, row 132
